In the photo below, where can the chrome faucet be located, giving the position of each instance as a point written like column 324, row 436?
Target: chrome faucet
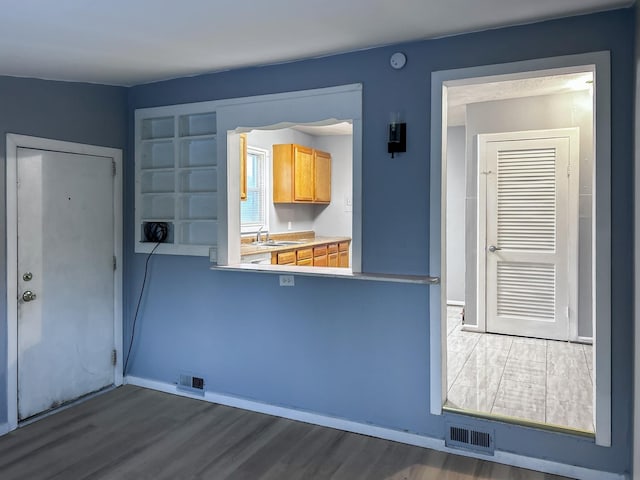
column 259, row 234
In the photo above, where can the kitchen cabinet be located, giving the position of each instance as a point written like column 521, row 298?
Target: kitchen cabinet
column 301, row 174
column 332, row 255
column 176, row 177
column 329, row 254
column 322, row 180
column 320, row 256
column 243, row 166
column 287, row 258
column 343, row 254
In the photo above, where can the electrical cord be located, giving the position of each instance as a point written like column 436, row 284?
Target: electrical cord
column 157, row 232
column 135, row 317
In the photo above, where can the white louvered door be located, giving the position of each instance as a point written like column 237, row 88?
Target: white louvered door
column 528, row 235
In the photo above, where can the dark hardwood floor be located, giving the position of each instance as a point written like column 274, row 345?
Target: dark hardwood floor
column 133, row 433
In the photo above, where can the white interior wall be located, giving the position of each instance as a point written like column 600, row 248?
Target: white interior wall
column 301, row 216
column 325, row 220
column 455, row 214
column 335, row 219
column 534, row 113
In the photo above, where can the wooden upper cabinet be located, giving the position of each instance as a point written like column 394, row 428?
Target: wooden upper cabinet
column 301, row 175
column 322, row 172
column 243, row 166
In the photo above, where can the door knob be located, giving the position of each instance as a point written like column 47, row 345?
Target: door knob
column 28, row 296
column 493, row 248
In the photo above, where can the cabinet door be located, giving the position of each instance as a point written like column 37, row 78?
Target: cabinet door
column 287, row 258
column 320, row 261
column 282, row 173
column 303, row 190
column 343, row 259
column 332, row 255
column 322, row 191
column 243, row 166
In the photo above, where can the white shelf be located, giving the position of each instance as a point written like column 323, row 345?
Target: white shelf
column 157, row 181
column 198, row 124
column 198, row 180
column 158, row 154
column 177, row 178
column 158, row 127
column 198, row 152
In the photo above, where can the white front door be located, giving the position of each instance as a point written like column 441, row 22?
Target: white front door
column 65, row 277
column 530, row 244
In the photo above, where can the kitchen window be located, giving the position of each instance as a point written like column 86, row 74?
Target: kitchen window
column 253, row 210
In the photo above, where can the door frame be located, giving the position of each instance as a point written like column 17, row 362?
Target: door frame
column 572, row 238
column 15, row 141
column 599, row 63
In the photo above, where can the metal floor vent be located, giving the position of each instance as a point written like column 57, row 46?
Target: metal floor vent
column 191, row 384
column 460, row 436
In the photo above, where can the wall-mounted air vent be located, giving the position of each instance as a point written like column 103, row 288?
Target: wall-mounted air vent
column 191, row 384
column 462, row 436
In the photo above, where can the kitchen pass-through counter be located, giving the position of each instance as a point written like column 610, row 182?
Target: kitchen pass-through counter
column 303, row 248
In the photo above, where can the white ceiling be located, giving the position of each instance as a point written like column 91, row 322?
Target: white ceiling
column 128, row 42
column 458, row 97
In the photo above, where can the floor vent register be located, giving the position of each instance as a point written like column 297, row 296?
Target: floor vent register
column 461, row 436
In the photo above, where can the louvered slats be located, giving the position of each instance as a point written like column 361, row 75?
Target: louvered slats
column 527, row 290
column 527, row 199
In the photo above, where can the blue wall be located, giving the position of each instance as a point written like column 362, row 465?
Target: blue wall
column 360, row 350
column 74, row 112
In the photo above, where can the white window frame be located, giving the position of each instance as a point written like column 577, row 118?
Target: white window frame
column 266, row 166
column 600, row 63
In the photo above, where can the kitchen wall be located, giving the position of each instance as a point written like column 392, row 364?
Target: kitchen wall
column 455, row 214
column 325, row 220
column 301, row 216
column 335, row 219
column 534, row 113
column 346, row 348
column 74, row 112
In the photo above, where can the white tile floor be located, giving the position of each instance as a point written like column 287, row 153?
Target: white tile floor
column 538, row 380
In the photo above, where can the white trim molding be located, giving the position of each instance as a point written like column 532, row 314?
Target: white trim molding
column 15, row 141
column 599, row 64
column 346, row 425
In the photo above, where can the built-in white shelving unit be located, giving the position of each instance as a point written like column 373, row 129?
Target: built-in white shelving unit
column 176, row 177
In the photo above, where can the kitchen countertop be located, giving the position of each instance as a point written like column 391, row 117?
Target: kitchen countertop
column 248, row 249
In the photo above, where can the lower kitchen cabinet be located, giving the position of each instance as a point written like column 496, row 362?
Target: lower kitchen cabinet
column 332, row 255
column 323, row 255
column 343, row 254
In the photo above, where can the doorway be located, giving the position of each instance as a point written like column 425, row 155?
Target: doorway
column 64, row 243
column 482, row 293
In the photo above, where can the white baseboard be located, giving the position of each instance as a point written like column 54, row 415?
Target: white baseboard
column 506, row 458
column 4, row 428
column 471, row 328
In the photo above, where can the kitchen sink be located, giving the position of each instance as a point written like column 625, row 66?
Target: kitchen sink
column 277, row 243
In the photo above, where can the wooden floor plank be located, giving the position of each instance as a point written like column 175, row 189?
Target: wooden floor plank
column 138, row 434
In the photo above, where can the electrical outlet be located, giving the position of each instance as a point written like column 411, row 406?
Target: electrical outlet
column 287, row 281
column 348, row 205
column 288, row 225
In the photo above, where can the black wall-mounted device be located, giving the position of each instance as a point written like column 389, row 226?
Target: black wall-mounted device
column 156, row 232
column 397, row 138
